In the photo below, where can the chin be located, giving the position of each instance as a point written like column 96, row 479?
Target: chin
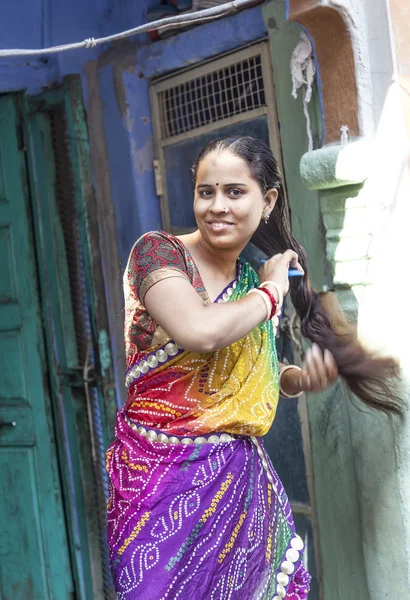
column 227, row 242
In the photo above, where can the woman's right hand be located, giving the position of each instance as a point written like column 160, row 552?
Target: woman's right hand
column 276, row 269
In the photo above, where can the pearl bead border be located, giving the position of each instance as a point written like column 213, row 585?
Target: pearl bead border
column 227, row 293
column 295, row 546
column 287, row 566
column 151, row 362
column 168, row 350
column 163, row 438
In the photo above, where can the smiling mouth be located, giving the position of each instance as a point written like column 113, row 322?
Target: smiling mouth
column 219, row 223
column 219, row 227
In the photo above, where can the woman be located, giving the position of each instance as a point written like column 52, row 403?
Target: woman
column 196, row 509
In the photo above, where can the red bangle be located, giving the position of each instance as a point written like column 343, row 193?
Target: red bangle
column 272, row 299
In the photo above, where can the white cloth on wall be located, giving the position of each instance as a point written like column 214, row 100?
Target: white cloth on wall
column 302, row 70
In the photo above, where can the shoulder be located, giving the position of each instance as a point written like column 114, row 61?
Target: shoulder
column 155, row 255
column 156, row 236
column 154, row 239
column 154, row 246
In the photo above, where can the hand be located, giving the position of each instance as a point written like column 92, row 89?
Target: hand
column 319, row 370
column 276, row 269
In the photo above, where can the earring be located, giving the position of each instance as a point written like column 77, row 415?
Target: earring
column 265, row 217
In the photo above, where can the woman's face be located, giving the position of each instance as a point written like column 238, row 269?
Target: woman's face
column 228, row 202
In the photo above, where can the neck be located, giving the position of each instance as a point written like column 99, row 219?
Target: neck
column 224, row 261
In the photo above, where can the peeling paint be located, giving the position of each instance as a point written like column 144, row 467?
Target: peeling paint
column 143, row 157
column 120, row 91
column 129, row 122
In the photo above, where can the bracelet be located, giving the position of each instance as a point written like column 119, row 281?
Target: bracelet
column 274, row 305
column 277, row 288
column 281, row 371
column 266, row 300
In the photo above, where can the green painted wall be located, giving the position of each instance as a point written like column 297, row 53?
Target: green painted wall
column 379, row 445
column 334, row 469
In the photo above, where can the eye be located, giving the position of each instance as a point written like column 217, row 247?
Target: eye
column 205, row 193
column 235, row 193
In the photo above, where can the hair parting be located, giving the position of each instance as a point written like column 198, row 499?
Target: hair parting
column 372, row 378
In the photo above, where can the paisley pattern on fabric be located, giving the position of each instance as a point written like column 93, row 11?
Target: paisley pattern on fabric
column 199, row 521
column 209, row 521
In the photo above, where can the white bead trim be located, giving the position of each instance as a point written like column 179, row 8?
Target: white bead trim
column 292, row 554
column 297, row 543
column 151, row 361
column 283, row 579
column 288, row 566
column 225, row 296
column 163, row 438
column 170, row 349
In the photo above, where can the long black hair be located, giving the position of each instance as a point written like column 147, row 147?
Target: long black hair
column 369, row 376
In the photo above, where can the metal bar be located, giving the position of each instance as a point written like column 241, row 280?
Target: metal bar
column 253, row 76
column 162, row 116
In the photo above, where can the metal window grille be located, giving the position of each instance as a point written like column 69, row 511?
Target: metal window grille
column 211, row 97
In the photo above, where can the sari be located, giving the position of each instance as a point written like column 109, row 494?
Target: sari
column 195, row 508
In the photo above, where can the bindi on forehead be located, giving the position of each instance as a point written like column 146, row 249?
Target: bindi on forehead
column 217, row 184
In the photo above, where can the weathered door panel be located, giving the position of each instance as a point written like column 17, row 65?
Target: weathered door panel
column 61, row 231
column 34, row 558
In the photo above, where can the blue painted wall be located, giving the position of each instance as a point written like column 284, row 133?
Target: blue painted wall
column 43, row 23
column 124, row 77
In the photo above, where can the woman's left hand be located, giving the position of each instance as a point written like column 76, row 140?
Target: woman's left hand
column 319, row 370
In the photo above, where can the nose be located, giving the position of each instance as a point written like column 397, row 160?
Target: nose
column 218, row 203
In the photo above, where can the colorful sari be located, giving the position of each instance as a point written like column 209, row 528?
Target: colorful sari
column 196, row 509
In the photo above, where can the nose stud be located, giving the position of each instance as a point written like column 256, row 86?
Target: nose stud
column 226, row 210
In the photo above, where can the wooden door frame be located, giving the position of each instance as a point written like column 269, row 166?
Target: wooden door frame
column 86, row 562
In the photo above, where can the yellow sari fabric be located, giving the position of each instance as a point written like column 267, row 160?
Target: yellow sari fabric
column 234, row 389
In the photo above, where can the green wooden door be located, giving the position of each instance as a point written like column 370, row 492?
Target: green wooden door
column 34, row 558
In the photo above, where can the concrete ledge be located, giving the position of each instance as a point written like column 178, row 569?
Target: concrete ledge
column 336, row 165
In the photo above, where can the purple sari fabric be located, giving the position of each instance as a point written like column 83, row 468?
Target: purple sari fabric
column 200, row 521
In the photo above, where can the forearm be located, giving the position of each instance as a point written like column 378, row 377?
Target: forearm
column 232, row 321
